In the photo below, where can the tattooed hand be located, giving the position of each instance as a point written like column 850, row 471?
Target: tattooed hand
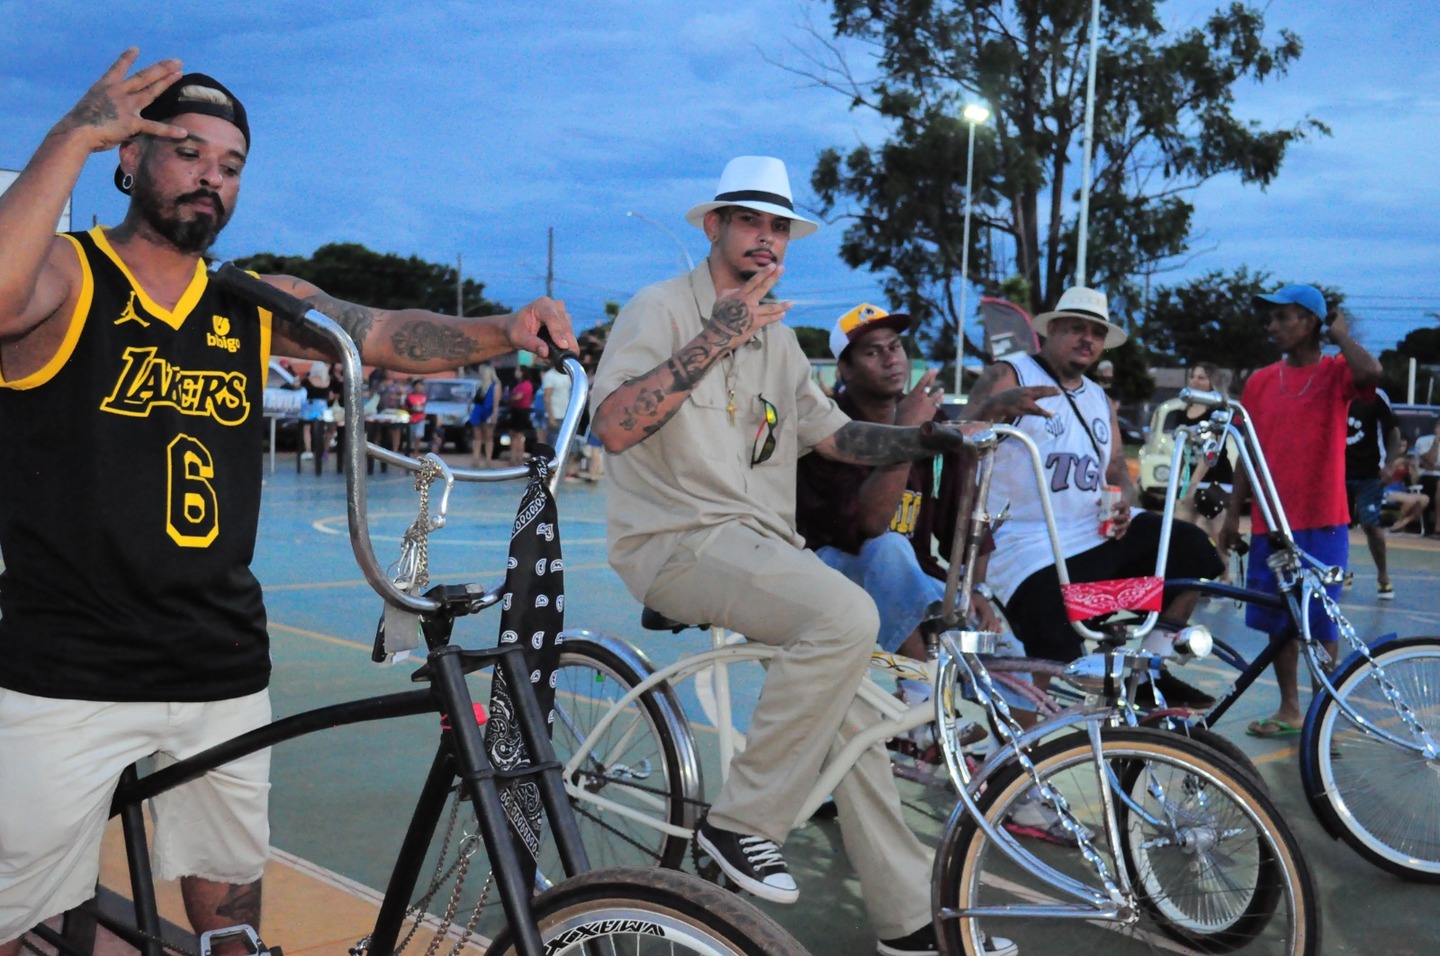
column 523, row 332
column 109, row 112
column 922, row 402
column 739, row 313
column 1013, row 402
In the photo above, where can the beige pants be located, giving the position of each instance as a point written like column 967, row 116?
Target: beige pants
column 824, row 628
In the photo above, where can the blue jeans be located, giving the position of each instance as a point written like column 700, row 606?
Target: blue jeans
column 888, row 571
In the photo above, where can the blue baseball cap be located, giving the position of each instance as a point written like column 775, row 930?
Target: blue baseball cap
column 1305, row 296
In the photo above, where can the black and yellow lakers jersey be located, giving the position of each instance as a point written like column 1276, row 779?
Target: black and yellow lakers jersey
column 130, row 494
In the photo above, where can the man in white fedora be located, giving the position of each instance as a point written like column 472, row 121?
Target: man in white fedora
column 1080, row 448
column 704, row 403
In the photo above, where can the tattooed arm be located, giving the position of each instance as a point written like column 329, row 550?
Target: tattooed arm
column 414, row 340
column 868, row 443
column 641, row 407
column 39, row 274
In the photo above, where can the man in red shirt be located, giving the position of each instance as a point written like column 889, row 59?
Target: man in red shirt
column 1299, row 407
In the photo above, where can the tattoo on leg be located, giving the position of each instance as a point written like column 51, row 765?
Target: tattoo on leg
column 241, row 904
column 422, row 341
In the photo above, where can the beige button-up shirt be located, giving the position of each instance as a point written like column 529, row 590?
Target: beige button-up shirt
column 695, row 472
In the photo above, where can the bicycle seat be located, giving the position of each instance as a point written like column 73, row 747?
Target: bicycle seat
column 653, row 620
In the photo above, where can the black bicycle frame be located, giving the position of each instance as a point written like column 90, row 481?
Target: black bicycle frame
column 460, row 757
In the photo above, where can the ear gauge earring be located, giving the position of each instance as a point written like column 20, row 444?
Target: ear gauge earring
column 126, row 182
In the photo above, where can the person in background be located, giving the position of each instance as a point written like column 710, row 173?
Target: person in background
column 317, row 399
column 1427, row 457
column 1412, row 504
column 484, row 412
column 415, row 401
column 1298, row 408
column 1372, row 447
column 131, row 398
column 519, row 413
column 1210, row 485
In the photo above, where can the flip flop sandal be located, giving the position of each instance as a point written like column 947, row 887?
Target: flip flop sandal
column 1270, row 727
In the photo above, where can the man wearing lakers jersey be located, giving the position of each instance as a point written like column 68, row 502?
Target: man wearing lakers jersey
column 130, row 473
column 1081, row 453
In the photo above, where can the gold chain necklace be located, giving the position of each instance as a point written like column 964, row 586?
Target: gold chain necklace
column 1308, row 382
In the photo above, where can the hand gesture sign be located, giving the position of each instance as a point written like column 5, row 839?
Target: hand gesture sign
column 110, row 110
column 740, row 313
column 922, row 402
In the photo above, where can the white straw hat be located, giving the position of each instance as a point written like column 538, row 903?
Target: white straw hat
column 755, row 182
column 1085, row 304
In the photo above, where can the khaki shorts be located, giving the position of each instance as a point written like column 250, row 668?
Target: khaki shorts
column 60, row 761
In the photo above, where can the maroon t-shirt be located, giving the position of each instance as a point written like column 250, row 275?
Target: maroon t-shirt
column 827, row 503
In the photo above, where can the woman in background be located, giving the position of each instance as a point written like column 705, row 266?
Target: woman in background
column 484, row 412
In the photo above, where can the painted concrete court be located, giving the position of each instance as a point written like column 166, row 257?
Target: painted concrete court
column 341, row 799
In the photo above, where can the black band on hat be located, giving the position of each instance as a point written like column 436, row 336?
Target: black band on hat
column 755, row 195
column 1085, row 314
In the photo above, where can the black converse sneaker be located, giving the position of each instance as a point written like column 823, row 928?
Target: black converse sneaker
column 922, row 942
column 754, row 862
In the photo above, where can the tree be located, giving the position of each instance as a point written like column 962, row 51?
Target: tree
column 349, row 271
column 814, row 341
column 1164, row 125
column 1423, row 345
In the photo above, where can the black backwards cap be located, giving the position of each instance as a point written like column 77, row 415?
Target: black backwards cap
column 194, row 93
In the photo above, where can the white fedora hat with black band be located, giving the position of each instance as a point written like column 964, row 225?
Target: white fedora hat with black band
column 755, row 182
column 1083, row 303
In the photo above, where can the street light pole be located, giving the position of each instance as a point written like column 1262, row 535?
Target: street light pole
column 1084, row 230
column 689, row 262
column 974, row 113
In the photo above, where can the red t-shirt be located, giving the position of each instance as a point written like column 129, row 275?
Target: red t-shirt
column 1299, row 415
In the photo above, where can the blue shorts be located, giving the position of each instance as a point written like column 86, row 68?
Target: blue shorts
column 313, row 410
column 888, row 570
column 1367, row 496
column 1329, row 546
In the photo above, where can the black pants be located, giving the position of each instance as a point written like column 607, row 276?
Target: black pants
column 1036, row 611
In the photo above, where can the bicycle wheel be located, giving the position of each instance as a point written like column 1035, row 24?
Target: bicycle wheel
column 1209, row 861
column 642, row 764
column 1228, row 748
column 1381, row 798
column 649, row 912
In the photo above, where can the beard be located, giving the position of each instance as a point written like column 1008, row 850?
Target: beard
column 192, row 236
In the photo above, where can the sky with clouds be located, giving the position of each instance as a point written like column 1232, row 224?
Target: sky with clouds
column 445, row 129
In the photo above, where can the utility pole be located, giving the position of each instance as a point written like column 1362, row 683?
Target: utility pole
column 459, row 284
column 550, row 266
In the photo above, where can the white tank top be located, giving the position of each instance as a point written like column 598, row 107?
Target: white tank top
column 1074, row 476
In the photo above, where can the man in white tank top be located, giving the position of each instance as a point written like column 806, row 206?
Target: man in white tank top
column 1081, row 454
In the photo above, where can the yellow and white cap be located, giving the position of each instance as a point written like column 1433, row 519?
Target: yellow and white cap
column 861, row 320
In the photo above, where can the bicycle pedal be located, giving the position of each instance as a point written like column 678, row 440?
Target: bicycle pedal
column 255, row 946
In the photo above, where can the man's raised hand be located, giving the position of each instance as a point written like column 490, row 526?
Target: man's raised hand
column 740, row 313
column 110, row 110
column 921, row 402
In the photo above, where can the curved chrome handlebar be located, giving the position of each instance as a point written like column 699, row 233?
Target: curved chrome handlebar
column 290, row 309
